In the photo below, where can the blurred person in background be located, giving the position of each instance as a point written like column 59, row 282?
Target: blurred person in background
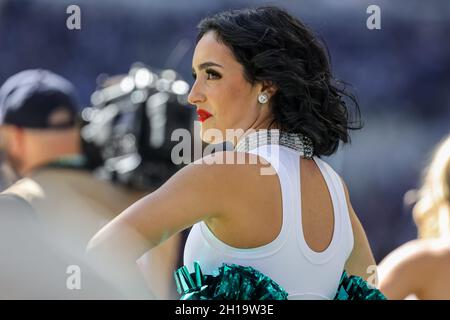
column 40, row 138
column 419, row 268
column 33, row 266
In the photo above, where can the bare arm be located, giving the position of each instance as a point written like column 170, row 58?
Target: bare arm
column 186, row 198
column 361, row 261
column 409, row 269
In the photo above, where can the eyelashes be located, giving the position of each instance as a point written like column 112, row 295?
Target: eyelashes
column 211, row 75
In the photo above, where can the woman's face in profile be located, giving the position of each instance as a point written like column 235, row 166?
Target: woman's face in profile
column 220, row 89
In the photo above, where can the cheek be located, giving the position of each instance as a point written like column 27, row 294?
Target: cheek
column 233, row 103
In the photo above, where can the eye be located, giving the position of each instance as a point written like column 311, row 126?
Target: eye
column 212, row 75
column 194, row 76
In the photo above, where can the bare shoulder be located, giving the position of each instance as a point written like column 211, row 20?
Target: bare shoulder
column 226, row 176
column 399, row 270
column 420, row 255
column 229, row 168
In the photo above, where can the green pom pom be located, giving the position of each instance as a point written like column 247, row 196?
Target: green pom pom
column 235, row 282
column 356, row 288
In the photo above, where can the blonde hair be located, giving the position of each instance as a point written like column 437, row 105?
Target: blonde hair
column 432, row 211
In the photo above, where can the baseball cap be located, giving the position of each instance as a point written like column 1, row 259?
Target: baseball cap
column 38, row 99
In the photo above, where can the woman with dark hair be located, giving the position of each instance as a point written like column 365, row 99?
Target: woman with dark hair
column 263, row 76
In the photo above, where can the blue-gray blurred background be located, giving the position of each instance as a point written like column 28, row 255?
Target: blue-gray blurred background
column 400, row 74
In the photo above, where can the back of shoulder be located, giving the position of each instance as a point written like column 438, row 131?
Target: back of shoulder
column 229, row 168
column 224, row 177
column 416, row 257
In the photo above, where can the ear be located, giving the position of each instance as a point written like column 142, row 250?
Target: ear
column 269, row 87
column 16, row 140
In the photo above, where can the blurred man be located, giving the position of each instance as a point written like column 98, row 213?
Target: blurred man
column 40, row 137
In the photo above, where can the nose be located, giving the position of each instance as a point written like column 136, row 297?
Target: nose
column 195, row 96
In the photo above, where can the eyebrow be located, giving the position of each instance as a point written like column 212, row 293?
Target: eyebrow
column 207, row 64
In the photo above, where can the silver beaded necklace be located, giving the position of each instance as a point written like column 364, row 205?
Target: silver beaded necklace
column 295, row 141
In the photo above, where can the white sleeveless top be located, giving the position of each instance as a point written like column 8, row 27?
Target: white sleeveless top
column 288, row 260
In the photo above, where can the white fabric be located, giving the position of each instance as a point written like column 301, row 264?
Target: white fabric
column 288, row 260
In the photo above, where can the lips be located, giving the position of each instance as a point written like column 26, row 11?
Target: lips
column 203, row 115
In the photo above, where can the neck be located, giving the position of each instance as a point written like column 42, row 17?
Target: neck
column 295, row 141
column 31, row 167
column 257, row 126
column 43, row 154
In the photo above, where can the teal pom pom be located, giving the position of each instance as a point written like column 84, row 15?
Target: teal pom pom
column 233, row 282
column 194, row 286
column 356, row 288
column 245, row 283
column 236, row 282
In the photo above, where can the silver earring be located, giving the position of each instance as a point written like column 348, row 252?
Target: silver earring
column 263, row 98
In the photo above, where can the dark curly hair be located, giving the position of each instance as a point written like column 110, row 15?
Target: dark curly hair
column 275, row 47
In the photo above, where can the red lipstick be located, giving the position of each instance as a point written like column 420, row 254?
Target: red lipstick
column 203, row 115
